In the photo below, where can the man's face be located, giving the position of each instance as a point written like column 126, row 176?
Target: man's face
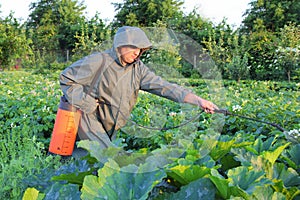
column 129, row 54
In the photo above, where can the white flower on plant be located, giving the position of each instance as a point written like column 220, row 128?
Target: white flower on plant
column 33, row 92
column 293, row 132
column 24, row 116
column 9, row 92
column 236, row 108
column 293, row 135
column 172, row 114
column 12, row 125
column 45, row 108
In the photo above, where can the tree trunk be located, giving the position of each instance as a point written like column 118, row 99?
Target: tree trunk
column 289, row 75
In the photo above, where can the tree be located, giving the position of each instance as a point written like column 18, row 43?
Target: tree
column 262, row 24
column 223, row 44
column 288, row 49
column 52, row 24
column 261, row 55
column 238, row 64
column 193, row 28
column 91, row 37
column 271, row 14
column 14, row 46
column 145, row 12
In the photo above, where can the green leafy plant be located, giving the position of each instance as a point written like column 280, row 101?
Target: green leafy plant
column 245, row 159
column 130, row 182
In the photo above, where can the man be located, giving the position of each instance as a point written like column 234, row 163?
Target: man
column 114, row 94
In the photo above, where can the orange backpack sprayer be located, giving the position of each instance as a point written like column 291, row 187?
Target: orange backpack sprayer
column 65, row 129
column 66, row 123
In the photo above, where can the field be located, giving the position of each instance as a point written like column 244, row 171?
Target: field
column 209, row 157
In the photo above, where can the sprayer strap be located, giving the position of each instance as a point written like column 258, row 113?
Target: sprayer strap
column 99, row 71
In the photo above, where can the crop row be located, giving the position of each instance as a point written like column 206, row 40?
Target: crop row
column 204, row 157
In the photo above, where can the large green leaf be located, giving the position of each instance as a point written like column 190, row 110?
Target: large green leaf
column 130, row 182
column 290, row 193
column 92, row 183
column 90, row 187
column 272, row 156
column 267, row 193
column 221, row 183
column 206, row 161
column 75, row 178
column 260, row 145
column 292, row 156
column 247, row 179
column 207, row 142
column 263, row 192
column 243, row 156
column 97, row 152
column 185, row 174
column 200, row 189
column 225, row 188
column 163, row 156
column 221, row 149
column 73, row 172
column 32, row 194
column 60, row 191
column 289, row 176
column 263, row 161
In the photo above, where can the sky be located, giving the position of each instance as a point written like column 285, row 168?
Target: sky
column 214, row 10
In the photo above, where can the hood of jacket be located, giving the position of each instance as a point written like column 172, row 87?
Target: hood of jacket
column 130, row 36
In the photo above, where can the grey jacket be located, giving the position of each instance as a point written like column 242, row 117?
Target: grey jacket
column 118, row 86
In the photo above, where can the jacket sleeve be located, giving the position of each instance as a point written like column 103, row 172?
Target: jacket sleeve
column 156, row 85
column 75, row 81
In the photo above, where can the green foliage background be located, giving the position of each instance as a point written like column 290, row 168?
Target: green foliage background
column 165, row 165
column 259, row 62
column 264, row 47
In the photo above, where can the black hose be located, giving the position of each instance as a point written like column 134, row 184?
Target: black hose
column 222, row 111
column 226, row 112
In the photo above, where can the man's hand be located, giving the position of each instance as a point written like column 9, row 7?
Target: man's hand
column 206, row 105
